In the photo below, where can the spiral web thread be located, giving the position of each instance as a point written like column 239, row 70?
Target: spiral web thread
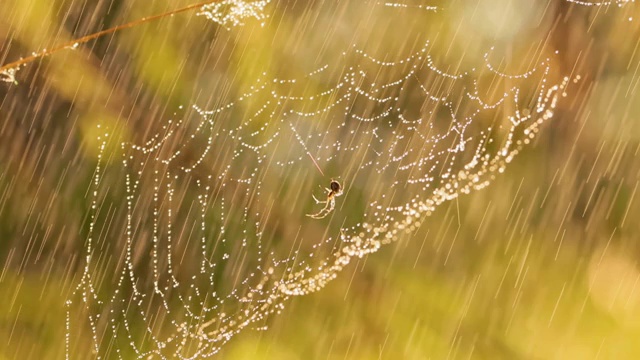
column 618, row 3
column 359, row 124
column 464, row 157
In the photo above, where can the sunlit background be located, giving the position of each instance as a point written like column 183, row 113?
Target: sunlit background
column 542, row 264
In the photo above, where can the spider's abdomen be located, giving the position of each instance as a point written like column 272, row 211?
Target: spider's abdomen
column 335, row 186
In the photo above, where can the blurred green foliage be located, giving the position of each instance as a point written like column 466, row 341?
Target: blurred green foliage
column 541, row 265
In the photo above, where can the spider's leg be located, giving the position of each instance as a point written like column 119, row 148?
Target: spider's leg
column 318, row 215
column 328, row 207
column 331, row 205
column 318, row 201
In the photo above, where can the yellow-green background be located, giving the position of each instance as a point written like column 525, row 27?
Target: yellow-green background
column 541, row 265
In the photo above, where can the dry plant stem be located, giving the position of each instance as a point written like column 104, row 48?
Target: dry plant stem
column 90, row 37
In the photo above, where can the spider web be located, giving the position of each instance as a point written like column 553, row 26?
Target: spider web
column 216, row 237
column 619, row 3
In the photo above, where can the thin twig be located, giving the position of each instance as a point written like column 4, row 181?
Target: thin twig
column 84, row 39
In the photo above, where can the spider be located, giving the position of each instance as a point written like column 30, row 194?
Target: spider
column 335, row 189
